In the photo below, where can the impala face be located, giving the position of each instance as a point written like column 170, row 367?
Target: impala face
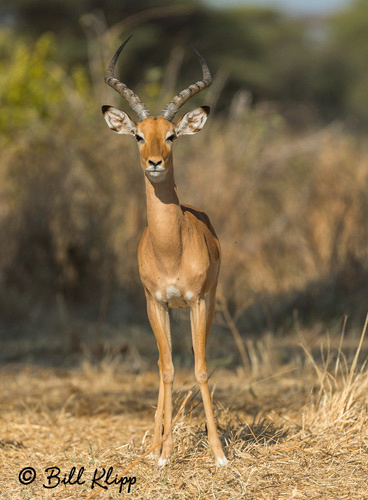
column 155, row 136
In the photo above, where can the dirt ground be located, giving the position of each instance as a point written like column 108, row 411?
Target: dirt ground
column 295, row 428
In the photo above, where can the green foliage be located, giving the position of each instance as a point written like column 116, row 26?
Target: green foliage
column 314, row 68
column 349, row 39
column 33, row 88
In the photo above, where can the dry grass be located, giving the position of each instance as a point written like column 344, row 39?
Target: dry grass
column 291, row 430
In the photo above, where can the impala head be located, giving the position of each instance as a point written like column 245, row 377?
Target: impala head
column 155, row 135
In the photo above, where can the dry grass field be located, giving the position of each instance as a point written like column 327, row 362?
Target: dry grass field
column 293, row 424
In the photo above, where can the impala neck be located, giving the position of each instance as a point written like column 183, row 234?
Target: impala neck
column 165, row 220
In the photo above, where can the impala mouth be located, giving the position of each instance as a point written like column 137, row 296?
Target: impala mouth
column 155, row 172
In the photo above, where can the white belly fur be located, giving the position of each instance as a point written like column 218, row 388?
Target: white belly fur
column 174, row 297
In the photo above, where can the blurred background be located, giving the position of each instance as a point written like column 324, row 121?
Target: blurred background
column 281, row 168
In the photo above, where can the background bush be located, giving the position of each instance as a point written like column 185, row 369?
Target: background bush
column 281, row 168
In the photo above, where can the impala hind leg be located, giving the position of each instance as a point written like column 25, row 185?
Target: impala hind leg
column 158, row 316
column 199, row 333
column 210, row 309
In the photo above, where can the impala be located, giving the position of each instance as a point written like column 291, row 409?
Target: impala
column 179, row 253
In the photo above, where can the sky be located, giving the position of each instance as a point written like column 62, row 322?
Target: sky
column 292, row 6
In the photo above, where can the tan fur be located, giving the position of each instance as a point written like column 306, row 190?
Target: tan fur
column 179, row 261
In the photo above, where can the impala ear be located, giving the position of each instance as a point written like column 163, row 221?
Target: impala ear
column 118, row 121
column 192, row 122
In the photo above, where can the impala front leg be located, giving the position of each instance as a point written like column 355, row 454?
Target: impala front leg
column 158, row 316
column 157, row 429
column 198, row 324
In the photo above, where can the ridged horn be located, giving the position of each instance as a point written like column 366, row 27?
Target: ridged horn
column 133, row 100
column 181, row 98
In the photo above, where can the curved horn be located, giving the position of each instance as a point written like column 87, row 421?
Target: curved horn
column 181, row 98
column 133, row 100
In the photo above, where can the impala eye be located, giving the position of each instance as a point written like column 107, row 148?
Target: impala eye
column 139, row 138
column 170, row 138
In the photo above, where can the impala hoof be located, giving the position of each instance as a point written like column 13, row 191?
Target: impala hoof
column 221, row 461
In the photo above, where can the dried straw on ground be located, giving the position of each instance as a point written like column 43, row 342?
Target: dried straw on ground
column 298, row 431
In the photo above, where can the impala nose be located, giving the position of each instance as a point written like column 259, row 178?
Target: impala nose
column 155, row 163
